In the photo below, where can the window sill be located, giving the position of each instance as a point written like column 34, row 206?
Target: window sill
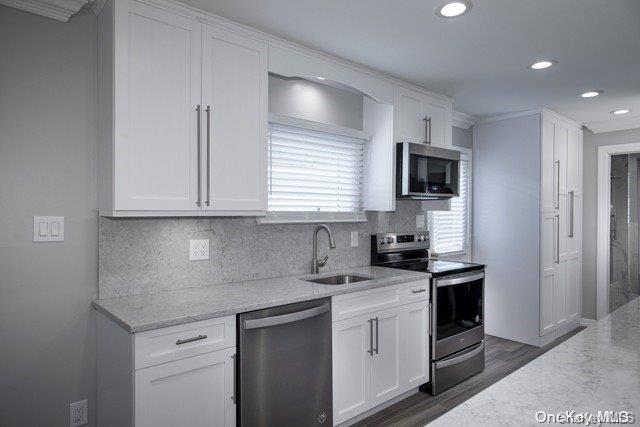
column 311, row 217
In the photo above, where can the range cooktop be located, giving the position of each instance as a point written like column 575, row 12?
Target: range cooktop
column 410, row 251
column 437, row 268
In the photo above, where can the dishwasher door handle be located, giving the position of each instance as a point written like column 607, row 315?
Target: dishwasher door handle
column 286, row 318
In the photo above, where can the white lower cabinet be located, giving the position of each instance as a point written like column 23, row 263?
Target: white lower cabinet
column 195, row 392
column 351, row 367
column 379, row 355
column 178, row 376
column 414, row 362
column 385, row 363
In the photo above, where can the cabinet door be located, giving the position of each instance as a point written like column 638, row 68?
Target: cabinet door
column 157, row 89
column 196, row 391
column 234, row 150
column 548, row 242
column 574, row 161
column 560, row 153
column 385, row 363
column 352, row 340
column 409, row 116
column 414, row 326
column 574, row 278
column 548, row 167
column 440, row 115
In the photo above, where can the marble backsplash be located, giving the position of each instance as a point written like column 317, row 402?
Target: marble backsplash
column 149, row 255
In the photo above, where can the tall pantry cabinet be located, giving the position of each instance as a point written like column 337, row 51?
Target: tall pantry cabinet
column 528, row 224
column 182, row 115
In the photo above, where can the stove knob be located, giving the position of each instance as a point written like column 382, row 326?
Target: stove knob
column 390, row 239
column 383, row 240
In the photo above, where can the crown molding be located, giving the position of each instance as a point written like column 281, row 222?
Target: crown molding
column 545, row 111
column 611, row 125
column 464, row 121
column 56, row 9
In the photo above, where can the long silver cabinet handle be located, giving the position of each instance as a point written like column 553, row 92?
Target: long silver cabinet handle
column 427, row 130
column 571, row 206
column 370, row 351
column 192, row 339
column 557, row 162
column 198, row 132
column 557, row 217
column 208, row 200
column 286, row 318
column 377, row 336
column 235, row 362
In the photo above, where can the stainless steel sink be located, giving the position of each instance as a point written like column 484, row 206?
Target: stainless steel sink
column 341, row 279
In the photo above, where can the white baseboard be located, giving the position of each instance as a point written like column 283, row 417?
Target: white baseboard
column 586, row 322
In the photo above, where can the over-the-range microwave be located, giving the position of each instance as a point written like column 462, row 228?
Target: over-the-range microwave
column 426, row 172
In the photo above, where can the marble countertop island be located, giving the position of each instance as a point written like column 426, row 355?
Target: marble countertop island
column 144, row 312
column 598, row 369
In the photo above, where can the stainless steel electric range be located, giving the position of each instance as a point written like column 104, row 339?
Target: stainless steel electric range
column 456, row 306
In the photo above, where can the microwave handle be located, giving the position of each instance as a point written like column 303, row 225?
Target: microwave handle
column 427, row 130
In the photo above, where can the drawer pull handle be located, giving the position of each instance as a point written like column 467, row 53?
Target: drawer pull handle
column 192, row 339
column 417, row 291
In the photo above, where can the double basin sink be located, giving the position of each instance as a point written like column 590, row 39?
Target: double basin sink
column 340, row 279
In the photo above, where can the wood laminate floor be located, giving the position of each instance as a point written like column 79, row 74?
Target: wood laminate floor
column 502, row 357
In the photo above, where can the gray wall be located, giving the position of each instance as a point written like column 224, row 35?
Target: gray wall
column 590, row 187
column 47, row 167
column 312, row 101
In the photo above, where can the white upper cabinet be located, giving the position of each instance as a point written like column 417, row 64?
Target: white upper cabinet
column 189, row 101
column 422, row 119
column 234, row 99
column 157, row 89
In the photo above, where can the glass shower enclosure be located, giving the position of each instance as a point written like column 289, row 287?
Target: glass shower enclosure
column 623, row 234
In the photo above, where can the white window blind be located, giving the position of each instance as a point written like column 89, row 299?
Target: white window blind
column 314, row 171
column 450, row 229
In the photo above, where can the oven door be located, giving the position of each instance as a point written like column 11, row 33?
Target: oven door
column 458, row 314
column 428, row 172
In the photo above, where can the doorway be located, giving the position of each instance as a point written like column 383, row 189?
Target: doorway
column 623, row 233
column 618, row 239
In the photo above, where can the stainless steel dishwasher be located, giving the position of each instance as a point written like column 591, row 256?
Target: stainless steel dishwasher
column 284, row 365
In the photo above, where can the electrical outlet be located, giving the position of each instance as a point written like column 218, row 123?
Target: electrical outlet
column 198, row 249
column 354, row 238
column 78, row 413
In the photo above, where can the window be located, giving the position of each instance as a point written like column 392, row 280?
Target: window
column 450, row 230
column 314, row 172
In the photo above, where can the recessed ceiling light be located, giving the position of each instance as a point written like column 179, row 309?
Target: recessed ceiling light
column 590, row 93
column 451, row 9
column 541, row 65
column 321, row 78
column 621, row 111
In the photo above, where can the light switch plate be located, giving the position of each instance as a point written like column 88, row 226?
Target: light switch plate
column 419, row 221
column 48, row 229
column 198, row 249
column 354, row 238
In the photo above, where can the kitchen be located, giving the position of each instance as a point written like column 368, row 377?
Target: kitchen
column 282, row 236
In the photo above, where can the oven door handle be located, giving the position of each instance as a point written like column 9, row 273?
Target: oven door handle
column 460, row 359
column 459, row 280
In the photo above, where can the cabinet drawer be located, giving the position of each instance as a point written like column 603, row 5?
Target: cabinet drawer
column 415, row 291
column 357, row 303
column 177, row 342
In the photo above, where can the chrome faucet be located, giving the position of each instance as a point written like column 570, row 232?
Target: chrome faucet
column 317, row 263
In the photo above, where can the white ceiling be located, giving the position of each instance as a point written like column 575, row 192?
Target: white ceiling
column 479, row 58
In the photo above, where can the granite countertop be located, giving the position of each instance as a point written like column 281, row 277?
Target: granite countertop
column 598, row 369
column 144, row 312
